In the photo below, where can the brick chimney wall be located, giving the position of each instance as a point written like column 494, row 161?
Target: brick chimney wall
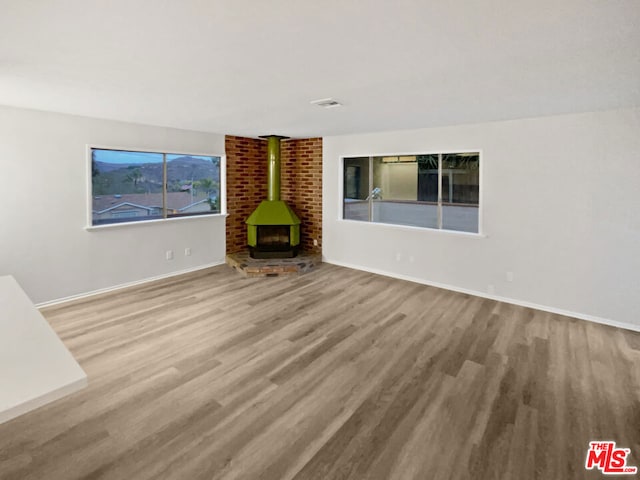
column 300, row 179
column 246, row 185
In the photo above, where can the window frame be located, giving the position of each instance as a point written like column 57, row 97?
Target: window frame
column 439, row 153
column 89, row 186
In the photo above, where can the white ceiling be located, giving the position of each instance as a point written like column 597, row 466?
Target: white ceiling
column 252, row 67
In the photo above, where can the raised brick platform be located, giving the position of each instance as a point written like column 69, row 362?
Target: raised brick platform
column 273, row 267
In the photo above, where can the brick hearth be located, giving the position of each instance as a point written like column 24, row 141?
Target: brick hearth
column 273, row 267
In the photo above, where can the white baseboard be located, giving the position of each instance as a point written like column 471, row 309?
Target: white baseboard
column 521, row 303
column 125, row 285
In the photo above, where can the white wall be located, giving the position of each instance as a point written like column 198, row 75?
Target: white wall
column 560, row 209
column 43, row 208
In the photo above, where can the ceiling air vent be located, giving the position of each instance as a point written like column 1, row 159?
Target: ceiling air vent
column 326, row 103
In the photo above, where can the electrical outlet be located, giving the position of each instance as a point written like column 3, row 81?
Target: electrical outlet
column 187, row 252
column 315, row 242
column 509, row 276
column 169, row 255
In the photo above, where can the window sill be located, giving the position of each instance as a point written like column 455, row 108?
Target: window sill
column 95, row 228
column 416, row 229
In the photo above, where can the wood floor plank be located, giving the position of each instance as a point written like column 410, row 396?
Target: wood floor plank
column 337, row 374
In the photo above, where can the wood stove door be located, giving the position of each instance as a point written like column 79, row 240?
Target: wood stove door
column 273, row 238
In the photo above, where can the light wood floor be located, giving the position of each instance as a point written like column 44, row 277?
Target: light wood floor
column 335, row 374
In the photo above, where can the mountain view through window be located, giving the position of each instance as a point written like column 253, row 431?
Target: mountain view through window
column 136, row 186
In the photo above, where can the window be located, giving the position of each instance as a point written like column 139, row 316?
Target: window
column 134, row 186
column 438, row 190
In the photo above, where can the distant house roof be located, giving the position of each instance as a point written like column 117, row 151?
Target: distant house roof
column 175, row 201
column 125, row 204
column 199, row 202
